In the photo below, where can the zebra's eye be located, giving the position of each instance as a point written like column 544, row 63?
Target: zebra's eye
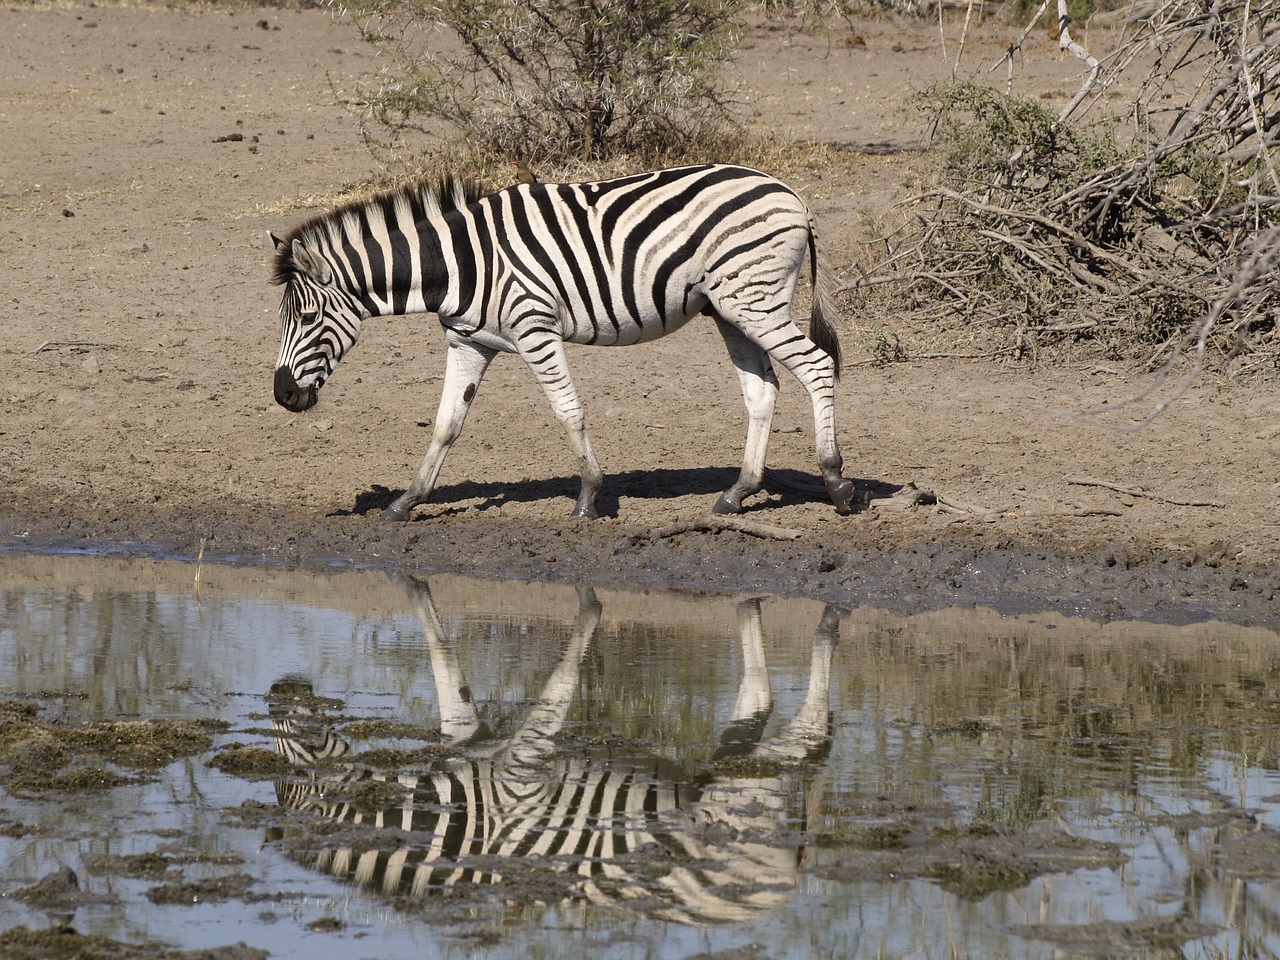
column 308, row 318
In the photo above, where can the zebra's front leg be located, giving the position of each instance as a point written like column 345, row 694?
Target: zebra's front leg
column 760, row 393
column 464, row 367
column 543, row 351
column 460, row 722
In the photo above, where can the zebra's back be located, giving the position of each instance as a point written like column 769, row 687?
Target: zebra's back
column 628, row 260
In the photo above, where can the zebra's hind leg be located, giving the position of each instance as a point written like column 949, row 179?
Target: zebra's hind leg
column 766, row 322
column 816, row 371
column 760, row 393
column 464, row 366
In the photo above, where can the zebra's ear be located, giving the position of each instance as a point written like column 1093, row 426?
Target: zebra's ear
column 281, row 247
column 310, row 264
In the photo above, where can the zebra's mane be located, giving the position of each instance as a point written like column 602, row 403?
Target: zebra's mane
column 411, row 202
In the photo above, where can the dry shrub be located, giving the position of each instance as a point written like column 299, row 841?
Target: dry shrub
column 544, row 79
column 1149, row 235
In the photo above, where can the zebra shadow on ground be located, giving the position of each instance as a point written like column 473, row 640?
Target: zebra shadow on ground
column 786, row 488
column 536, row 817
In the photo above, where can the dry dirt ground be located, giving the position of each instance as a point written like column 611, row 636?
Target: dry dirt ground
column 146, row 152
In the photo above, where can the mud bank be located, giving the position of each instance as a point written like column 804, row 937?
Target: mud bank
column 1105, row 583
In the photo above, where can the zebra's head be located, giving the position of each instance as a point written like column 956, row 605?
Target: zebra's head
column 319, row 322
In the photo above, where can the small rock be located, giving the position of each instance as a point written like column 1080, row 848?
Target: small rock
column 59, row 883
column 91, row 366
column 323, row 425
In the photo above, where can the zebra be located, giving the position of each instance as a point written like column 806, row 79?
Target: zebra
column 532, row 267
column 613, row 827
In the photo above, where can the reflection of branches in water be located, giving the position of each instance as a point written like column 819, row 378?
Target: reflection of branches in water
column 1155, row 228
column 595, row 822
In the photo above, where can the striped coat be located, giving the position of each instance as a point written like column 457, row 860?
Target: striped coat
column 531, row 268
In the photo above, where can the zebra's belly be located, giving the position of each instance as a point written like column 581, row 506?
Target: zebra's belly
column 612, row 331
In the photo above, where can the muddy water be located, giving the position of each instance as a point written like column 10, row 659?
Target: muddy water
column 357, row 765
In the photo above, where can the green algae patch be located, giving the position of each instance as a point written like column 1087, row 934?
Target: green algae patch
column 32, row 748
column 1110, row 937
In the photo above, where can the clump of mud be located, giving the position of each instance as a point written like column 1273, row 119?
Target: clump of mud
column 970, row 862
column 1111, row 937
column 394, row 758
column 146, row 866
column 211, row 890
column 64, row 943
column 59, row 890
column 143, row 744
column 244, row 760
column 388, row 729
column 39, row 755
column 76, row 779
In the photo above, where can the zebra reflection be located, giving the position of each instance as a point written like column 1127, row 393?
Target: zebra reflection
column 549, row 824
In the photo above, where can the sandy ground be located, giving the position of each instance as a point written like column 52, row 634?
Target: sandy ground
column 146, row 153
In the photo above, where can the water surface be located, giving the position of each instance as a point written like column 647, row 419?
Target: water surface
column 471, row 768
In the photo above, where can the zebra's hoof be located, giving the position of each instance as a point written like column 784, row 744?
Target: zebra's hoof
column 726, row 505
column 587, row 512
column 395, row 514
column 842, row 495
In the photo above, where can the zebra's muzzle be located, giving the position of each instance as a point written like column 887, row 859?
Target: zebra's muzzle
column 291, row 396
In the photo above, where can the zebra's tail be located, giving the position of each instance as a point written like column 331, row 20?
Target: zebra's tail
column 822, row 330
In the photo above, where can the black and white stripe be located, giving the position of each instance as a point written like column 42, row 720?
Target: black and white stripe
column 528, row 269
column 603, row 826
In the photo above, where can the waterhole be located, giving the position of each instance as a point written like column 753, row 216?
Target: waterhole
column 358, row 764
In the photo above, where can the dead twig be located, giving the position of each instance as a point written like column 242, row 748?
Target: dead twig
column 949, row 505
column 911, row 495
column 1139, row 492
column 719, row 524
column 51, row 344
column 1076, row 50
column 907, row 496
column 1065, row 512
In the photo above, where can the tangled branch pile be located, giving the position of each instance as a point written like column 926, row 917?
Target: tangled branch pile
column 1152, row 233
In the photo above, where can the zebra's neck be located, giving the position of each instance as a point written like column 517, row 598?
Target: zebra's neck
column 392, row 254
column 399, row 270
